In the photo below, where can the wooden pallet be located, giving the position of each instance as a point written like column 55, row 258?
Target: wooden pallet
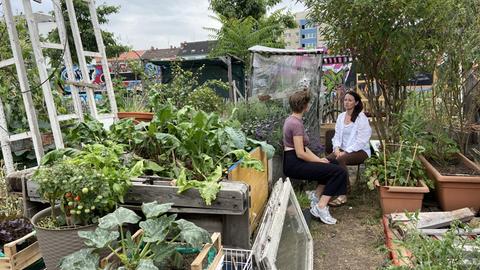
column 17, row 260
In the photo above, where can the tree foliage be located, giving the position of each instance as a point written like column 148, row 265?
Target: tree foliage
column 237, row 35
column 456, row 85
column 391, row 41
column 112, row 46
column 241, row 9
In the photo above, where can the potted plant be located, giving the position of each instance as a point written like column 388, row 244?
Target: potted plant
column 456, row 178
column 159, row 243
column 134, row 105
column 399, row 177
column 80, row 189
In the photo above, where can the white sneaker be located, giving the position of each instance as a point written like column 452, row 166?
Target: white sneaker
column 313, row 199
column 323, row 214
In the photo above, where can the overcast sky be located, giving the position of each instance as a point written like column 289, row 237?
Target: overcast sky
column 159, row 23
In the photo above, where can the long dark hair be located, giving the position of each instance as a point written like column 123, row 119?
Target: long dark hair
column 358, row 107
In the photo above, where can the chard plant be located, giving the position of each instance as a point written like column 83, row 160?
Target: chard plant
column 193, row 147
column 157, row 246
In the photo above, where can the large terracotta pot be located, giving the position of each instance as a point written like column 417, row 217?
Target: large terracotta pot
column 395, row 199
column 455, row 191
column 137, row 116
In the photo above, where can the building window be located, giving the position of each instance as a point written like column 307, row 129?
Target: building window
column 303, row 45
column 309, row 35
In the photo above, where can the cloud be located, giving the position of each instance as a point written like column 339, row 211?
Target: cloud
column 161, row 23
column 158, row 23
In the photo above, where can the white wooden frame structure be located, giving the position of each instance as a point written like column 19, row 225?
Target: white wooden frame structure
column 38, row 46
column 269, row 235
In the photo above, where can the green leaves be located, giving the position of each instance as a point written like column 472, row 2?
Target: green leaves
column 267, row 148
column 162, row 251
column 99, row 238
column 58, row 154
column 83, row 259
column 237, row 137
column 146, row 264
column 192, row 234
column 118, row 218
column 149, row 245
column 156, row 229
column 398, row 168
column 153, row 209
column 208, row 189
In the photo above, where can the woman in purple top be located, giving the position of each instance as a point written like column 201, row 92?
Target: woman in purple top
column 301, row 163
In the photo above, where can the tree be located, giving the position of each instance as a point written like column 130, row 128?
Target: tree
column 241, row 9
column 112, row 46
column 237, row 35
column 456, row 72
column 390, row 41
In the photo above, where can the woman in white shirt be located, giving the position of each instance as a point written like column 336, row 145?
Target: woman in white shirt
column 351, row 143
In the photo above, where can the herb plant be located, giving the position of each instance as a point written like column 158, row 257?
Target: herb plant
column 397, row 168
column 157, row 245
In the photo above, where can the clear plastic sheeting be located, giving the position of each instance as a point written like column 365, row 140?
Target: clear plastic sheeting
column 280, row 75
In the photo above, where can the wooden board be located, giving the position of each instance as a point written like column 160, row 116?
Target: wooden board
column 432, row 220
column 233, row 196
column 258, row 182
column 17, row 260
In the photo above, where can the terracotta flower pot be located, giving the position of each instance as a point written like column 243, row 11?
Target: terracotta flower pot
column 394, row 199
column 137, row 116
column 455, row 191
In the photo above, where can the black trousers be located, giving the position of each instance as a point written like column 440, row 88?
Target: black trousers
column 333, row 176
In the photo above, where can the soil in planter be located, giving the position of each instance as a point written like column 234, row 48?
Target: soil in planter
column 454, row 168
column 185, row 263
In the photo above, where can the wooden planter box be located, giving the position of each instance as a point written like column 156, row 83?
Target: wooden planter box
column 197, row 264
column 228, row 214
column 455, row 191
column 395, row 199
column 235, row 213
column 258, row 185
column 17, row 260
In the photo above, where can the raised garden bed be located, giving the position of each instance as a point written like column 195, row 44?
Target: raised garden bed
column 455, row 191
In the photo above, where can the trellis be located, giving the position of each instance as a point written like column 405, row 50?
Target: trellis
column 85, row 84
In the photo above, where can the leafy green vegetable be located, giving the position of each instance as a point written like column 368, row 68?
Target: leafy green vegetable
column 150, row 249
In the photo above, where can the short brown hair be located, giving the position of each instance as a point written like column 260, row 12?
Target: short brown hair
column 299, row 100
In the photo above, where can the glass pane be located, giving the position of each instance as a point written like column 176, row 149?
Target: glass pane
column 293, row 248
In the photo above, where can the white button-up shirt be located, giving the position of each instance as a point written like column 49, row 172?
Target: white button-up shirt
column 358, row 137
